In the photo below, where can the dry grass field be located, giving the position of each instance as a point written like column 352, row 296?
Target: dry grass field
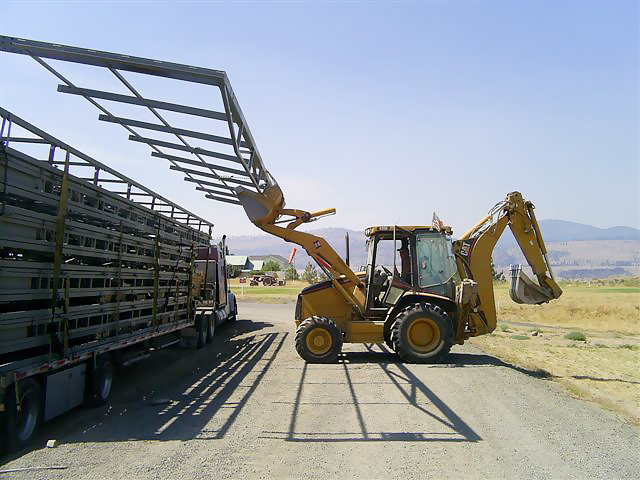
column 603, row 367
column 588, row 340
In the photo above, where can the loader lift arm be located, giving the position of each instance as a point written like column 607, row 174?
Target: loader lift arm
column 473, row 260
column 266, row 211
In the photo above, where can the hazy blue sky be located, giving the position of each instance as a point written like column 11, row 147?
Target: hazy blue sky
column 385, row 110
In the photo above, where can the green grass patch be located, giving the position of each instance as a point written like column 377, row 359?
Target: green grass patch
column 266, row 290
column 578, row 336
column 607, row 289
column 520, row 337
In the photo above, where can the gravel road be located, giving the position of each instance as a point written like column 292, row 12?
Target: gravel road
column 247, row 407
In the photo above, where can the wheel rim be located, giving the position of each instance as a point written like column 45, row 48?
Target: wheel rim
column 106, row 380
column 423, row 335
column 27, row 416
column 319, row 341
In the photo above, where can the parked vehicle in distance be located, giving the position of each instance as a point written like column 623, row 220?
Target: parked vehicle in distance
column 268, row 280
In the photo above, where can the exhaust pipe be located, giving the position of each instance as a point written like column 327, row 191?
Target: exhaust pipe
column 526, row 291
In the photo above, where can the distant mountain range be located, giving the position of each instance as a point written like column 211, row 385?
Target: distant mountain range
column 255, row 245
column 564, row 231
column 572, row 246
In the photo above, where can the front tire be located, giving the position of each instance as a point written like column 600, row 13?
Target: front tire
column 100, row 380
column 422, row 333
column 318, row 340
column 22, row 418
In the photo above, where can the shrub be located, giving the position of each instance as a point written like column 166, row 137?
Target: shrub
column 310, row 274
column 271, row 266
column 578, row 336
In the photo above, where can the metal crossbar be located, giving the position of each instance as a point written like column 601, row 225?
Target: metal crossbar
column 206, row 173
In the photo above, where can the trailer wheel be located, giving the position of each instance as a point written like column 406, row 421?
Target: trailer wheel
column 100, row 380
column 201, row 331
column 211, row 327
column 318, row 340
column 422, row 333
column 22, row 418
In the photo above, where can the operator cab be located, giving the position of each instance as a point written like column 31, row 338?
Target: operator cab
column 401, row 259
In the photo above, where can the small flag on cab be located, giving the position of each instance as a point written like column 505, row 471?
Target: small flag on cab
column 437, row 223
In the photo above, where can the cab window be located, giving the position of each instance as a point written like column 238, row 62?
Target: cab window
column 436, row 264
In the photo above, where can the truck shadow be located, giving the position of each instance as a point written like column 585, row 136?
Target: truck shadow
column 444, row 423
column 199, row 396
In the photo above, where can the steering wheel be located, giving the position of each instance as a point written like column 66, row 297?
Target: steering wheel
column 386, row 270
column 385, row 274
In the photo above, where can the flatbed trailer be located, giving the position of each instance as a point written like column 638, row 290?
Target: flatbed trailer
column 96, row 270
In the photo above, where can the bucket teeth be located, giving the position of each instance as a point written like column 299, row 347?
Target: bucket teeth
column 526, row 291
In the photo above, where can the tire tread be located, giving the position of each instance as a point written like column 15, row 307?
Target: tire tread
column 403, row 350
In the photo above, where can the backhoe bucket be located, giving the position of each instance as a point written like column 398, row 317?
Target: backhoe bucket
column 526, row 291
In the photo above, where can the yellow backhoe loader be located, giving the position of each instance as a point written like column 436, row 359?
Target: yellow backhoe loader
column 443, row 292
column 442, row 295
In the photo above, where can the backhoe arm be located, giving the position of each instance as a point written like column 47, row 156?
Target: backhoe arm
column 473, row 258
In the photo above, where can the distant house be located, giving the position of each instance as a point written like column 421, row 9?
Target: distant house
column 244, row 262
column 257, row 264
column 261, row 259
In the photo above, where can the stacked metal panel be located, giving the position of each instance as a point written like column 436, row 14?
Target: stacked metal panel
column 87, row 255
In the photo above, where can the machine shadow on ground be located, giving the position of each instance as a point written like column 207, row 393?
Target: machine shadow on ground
column 454, row 360
column 182, row 396
column 444, row 423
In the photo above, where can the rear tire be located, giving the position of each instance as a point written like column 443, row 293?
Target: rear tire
column 387, row 339
column 20, row 425
column 318, row 340
column 100, row 380
column 210, row 320
column 201, row 330
column 422, row 333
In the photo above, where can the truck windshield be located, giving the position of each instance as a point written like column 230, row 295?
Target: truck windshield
column 436, row 264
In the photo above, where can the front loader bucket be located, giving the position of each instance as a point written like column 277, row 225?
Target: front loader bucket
column 524, row 290
column 261, row 208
